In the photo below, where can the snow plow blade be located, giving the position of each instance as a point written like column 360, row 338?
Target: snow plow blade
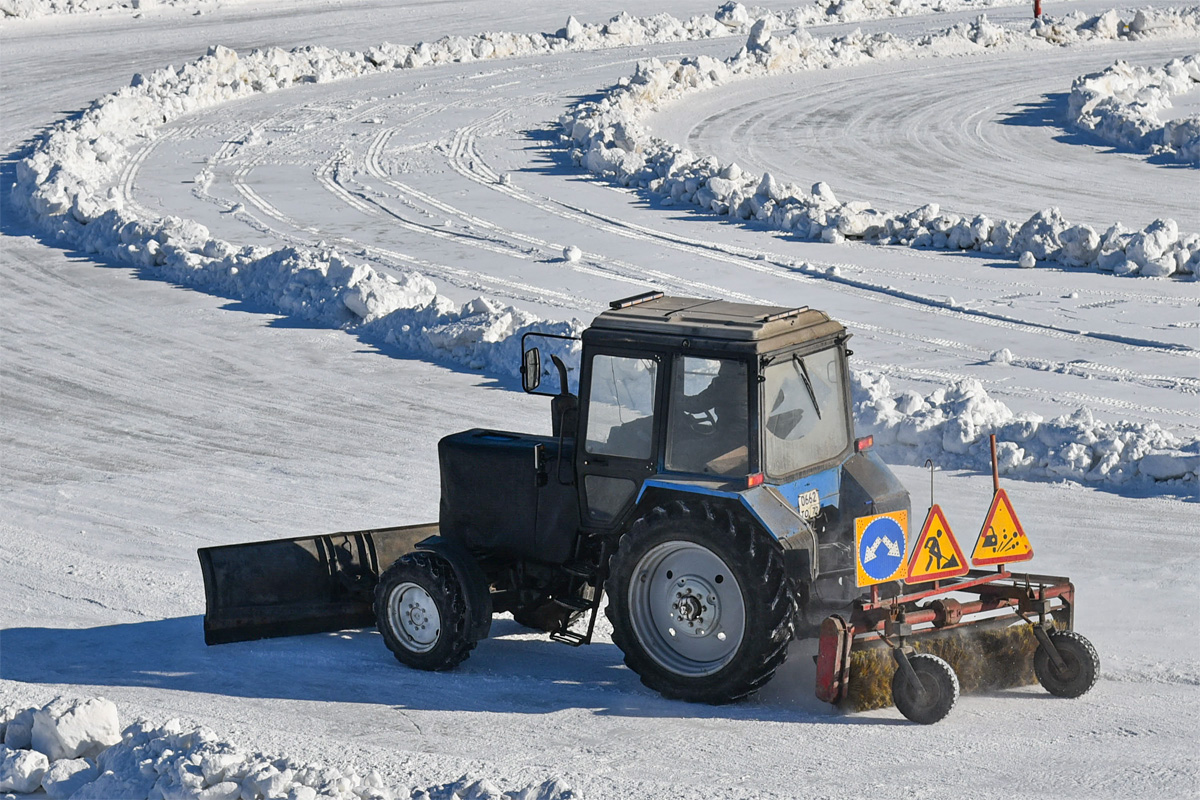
column 289, row 587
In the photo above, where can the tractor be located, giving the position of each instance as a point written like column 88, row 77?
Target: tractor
column 706, row 478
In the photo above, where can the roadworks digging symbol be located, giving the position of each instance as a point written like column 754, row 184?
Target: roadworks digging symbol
column 881, row 544
column 1002, row 539
column 936, row 554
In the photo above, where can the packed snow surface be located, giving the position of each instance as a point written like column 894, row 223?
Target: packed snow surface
column 310, row 182
column 72, row 187
column 611, row 140
column 814, row 13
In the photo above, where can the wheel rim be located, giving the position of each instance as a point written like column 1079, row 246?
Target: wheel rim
column 687, row 608
column 413, row 617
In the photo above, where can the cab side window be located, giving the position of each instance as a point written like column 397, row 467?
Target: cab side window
column 621, row 406
column 708, row 429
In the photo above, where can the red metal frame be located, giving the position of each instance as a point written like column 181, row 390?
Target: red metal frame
column 895, row 619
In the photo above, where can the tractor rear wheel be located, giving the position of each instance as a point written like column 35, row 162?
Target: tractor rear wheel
column 1080, row 667
column 421, row 612
column 700, row 603
column 936, row 695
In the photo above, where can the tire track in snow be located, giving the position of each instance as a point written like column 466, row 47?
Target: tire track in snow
column 465, row 158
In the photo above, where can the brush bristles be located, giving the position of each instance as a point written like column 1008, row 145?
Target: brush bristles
column 985, row 658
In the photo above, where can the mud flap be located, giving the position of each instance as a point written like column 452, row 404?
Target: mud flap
column 288, row 587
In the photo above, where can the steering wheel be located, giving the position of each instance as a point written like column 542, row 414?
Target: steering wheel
column 702, row 423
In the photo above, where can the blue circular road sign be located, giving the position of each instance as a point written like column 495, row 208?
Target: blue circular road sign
column 881, row 549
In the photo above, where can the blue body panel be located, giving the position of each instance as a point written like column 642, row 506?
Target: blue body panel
column 828, row 485
column 760, row 500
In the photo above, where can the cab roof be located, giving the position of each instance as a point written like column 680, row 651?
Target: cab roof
column 690, row 317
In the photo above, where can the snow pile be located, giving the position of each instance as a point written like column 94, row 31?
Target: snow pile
column 25, row 9
column 77, row 752
column 609, row 139
column 951, row 426
column 1124, row 105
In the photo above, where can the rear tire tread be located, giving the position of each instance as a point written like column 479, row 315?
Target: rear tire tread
column 750, row 554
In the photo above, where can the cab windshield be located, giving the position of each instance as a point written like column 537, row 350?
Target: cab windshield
column 805, row 410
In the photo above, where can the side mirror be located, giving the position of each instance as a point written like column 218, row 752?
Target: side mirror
column 531, row 369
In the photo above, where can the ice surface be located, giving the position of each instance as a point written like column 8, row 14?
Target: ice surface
column 65, row 186
column 149, row 479
column 611, row 140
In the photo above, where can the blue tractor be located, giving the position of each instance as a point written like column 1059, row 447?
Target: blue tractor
column 706, row 478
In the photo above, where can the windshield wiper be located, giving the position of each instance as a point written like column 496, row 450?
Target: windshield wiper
column 807, row 383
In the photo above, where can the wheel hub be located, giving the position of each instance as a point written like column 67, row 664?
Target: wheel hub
column 418, row 619
column 695, row 606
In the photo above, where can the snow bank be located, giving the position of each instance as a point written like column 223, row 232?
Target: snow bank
column 1124, row 105
column 68, row 185
column 25, row 9
column 67, row 188
column 815, row 13
column 608, row 138
column 951, row 426
column 171, row 761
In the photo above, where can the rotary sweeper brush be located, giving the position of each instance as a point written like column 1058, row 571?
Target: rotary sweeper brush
column 707, row 479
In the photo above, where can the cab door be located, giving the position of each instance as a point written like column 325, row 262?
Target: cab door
column 618, row 446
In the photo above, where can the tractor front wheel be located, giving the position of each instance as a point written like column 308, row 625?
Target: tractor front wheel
column 422, row 614
column 1080, row 667
column 700, row 603
column 936, row 695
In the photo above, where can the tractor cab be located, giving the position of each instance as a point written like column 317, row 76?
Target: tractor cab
column 707, row 396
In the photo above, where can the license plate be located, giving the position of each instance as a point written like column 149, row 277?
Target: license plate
column 810, row 504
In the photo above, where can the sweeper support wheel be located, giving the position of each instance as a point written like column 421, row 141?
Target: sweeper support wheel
column 924, row 687
column 1065, row 663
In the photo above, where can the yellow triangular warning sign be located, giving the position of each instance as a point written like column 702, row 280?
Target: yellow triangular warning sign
column 1002, row 538
column 936, row 554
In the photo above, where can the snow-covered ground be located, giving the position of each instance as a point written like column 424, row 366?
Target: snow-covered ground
column 306, row 390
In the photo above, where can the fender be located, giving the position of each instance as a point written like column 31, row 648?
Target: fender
column 470, row 577
column 764, row 504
